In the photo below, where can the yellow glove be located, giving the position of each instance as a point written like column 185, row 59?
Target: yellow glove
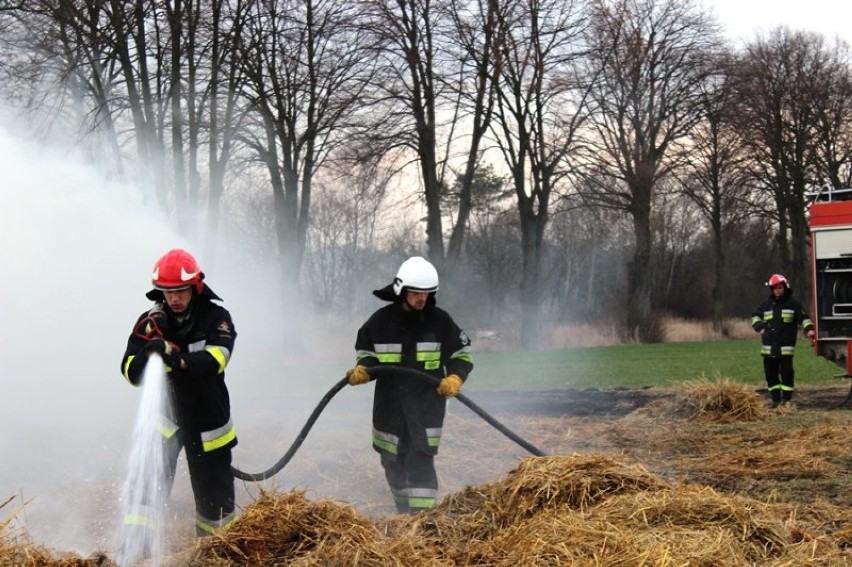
column 450, row 386
column 357, row 375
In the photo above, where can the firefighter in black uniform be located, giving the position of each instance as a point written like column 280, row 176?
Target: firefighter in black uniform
column 777, row 320
column 195, row 338
column 408, row 412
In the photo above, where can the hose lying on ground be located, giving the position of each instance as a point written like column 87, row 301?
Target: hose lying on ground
column 375, row 372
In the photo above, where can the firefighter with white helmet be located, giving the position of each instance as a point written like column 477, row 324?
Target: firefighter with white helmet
column 777, row 320
column 408, row 413
column 195, row 338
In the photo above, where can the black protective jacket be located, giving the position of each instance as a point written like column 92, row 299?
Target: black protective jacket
column 427, row 340
column 200, row 404
column 779, row 320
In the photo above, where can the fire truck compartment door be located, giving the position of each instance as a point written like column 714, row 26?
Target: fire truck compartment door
column 833, row 243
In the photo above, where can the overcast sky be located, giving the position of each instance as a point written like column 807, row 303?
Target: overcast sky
column 743, row 18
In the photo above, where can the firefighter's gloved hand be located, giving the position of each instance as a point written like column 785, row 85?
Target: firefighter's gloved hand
column 357, row 375
column 450, row 386
column 168, row 351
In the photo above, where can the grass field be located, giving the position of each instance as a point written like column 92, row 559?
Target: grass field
column 637, row 366
column 618, row 366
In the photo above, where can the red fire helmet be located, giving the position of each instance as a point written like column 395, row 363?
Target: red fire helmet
column 177, row 269
column 776, row 279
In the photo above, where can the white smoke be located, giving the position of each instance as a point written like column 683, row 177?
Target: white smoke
column 75, row 251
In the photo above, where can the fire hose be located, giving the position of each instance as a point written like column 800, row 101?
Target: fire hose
column 375, row 372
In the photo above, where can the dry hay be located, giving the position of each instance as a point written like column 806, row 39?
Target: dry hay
column 800, row 454
column 592, row 510
column 288, row 529
column 583, row 510
column 17, row 549
column 719, row 400
column 537, row 483
column 752, row 457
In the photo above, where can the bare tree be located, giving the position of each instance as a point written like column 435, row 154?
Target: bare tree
column 216, row 105
column 834, row 118
column 714, row 178
column 305, row 70
column 476, row 37
column 406, row 32
column 540, row 108
column 343, row 238
column 59, row 68
column 653, row 57
column 778, row 81
column 439, row 65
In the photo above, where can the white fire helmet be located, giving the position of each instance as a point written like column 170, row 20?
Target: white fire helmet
column 416, row 274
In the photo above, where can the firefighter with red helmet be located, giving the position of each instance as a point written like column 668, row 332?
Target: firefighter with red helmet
column 408, row 412
column 195, row 338
column 777, row 320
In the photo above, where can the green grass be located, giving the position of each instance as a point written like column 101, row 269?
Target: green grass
column 622, row 366
column 637, row 366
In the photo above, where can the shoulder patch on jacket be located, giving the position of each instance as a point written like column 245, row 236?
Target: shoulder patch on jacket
column 224, row 327
column 465, row 340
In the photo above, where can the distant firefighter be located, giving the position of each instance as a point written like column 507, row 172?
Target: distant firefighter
column 777, row 320
column 408, row 412
column 195, row 338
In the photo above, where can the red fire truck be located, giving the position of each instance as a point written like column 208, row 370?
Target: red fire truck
column 831, row 275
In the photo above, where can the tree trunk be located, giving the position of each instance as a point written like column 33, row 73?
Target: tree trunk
column 639, row 271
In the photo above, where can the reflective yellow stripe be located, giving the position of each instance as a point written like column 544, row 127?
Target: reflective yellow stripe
column 433, row 436
column 127, row 366
column 421, row 502
column 215, row 526
column 219, row 442
column 389, row 358
column 139, row 520
column 220, row 357
column 386, row 441
column 219, row 437
column 421, row 497
column 167, row 428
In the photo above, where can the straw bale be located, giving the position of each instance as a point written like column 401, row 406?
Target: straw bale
column 279, row 527
column 288, row 529
column 683, row 525
column 575, row 481
column 719, row 400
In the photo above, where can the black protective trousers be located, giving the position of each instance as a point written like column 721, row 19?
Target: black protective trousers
column 779, row 377
column 211, row 479
column 412, row 478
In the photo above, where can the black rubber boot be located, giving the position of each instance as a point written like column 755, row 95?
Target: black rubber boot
column 776, row 398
